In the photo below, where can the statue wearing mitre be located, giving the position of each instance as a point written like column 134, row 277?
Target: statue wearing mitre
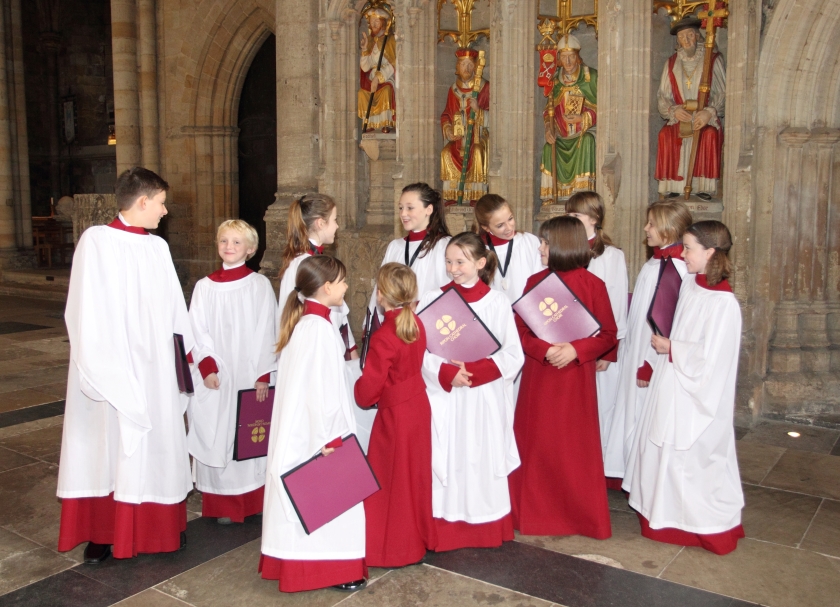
column 377, row 71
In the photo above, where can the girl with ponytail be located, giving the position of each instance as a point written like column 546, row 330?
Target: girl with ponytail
column 685, row 483
column 473, row 449
column 312, row 412
column 608, row 264
column 312, row 226
column 399, row 521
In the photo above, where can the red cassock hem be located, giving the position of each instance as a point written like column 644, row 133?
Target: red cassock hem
column 297, row 576
column 614, row 483
column 132, row 529
column 718, row 543
column 234, row 507
column 458, row 534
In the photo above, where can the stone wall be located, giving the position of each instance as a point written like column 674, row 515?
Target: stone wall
column 92, row 210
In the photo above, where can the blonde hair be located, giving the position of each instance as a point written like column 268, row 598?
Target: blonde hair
column 714, row 235
column 670, row 219
column 312, row 274
column 592, row 205
column 243, row 228
column 302, row 215
column 397, row 285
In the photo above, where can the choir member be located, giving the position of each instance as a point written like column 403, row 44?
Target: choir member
column 312, row 412
column 399, row 520
column 667, row 221
column 233, row 314
column 125, row 473
column 608, row 264
column 473, row 449
column 559, row 489
column 518, row 252
column 312, row 226
column 685, row 484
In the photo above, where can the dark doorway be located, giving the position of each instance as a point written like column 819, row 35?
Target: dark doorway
column 258, row 142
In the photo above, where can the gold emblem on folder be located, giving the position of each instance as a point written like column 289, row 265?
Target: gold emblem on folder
column 445, row 324
column 258, row 434
column 548, row 306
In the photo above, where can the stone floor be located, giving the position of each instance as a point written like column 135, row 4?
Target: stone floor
column 791, row 556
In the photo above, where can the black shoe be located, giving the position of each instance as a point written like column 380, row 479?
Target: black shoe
column 183, row 540
column 352, row 586
column 672, row 194
column 704, row 196
column 224, row 520
column 96, row 553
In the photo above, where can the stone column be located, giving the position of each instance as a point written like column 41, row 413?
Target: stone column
column 126, row 99
column 7, row 210
column 147, row 55
column 20, row 139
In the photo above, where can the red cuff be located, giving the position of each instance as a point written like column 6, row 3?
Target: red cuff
column 207, row 366
column 611, row 355
column 265, row 379
column 189, row 357
column 353, row 348
column 645, row 372
column 335, row 443
column 446, row 374
column 484, row 371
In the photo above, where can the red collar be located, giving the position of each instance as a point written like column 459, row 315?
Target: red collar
column 222, row 275
column 723, row 285
column 316, row 249
column 675, row 250
column 392, row 314
column 415, row 236
column 119, row 225
column 592, row 243
column 470, row 294
column 497, row 242
column 318, row 309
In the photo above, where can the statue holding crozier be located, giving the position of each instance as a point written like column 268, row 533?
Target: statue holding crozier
column 377, row 70
column 679, row 100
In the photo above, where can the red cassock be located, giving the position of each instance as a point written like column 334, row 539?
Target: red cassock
column 559, row 488
column 400, row 527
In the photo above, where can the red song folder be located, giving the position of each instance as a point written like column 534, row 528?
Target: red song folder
column 454, row 331
column 663, row 306
column 182, row 367
column 554, row 313
column 323, row 488
column 253, row 424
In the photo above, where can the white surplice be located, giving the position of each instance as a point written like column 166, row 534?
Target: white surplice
column 611, row 267
column 685, row 474
column 634, row 350
column 429, row 267
column 311, row 408
column 234, row 323
column 123, row 423
column 524, row 261
column 473, row 447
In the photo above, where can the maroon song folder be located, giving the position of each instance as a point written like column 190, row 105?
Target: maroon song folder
column 554, row 313
column 372, row 323
column 182, row 367
column 454, row 331
column 323, row 488
column 663, row 306
column 253, row 424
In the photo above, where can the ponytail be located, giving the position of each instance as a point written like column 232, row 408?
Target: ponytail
column 398, row 286
column 292, row 313
column 714, row 235
column 437, row 224
column 302, row 215
column 407, row 329
column 592, row 205
column 473, row 247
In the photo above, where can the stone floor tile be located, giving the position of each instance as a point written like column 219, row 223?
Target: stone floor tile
column 31, row 426
column 9, row 460
column 626, row 547
column 20, row 399
column 194, row 502
column 15, row 352
column 618, row 501
column 11, row 544
column 151, row 598
column 31, row 566
column 769, row 574
column 755, row 460
column 36, row 444
column 57, row 390
column 432, row 587
column 812, row 438
column 777, row 516
column 28, row 336
column 33, row 378
column 34, row 363
column 824, row 534
column 28, row 505
column 65, row 589
column 805, row 472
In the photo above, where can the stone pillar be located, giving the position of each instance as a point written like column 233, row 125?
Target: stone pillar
column 7, row 209
column 126, row 99
column 20, row 139
column 512, row 129
column 147, row 55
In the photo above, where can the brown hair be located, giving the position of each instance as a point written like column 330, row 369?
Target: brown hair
column 313, row 272
column 592, row 205
column 714, row 235
column 437, row 224
column 398, row 286
column 302, row 215
column 568, row 248
column 484, row 209
column 474, row 249
column 670, row 218
column 136, row 182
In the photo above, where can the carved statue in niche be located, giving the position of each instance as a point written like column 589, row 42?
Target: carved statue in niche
column 677, row 100
column 377, row 70
column 468, row 97
column 570, row 116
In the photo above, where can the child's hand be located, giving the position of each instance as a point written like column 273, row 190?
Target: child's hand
column 662, row 345
column 462, row 380
column 642, row 383
column 212, row 382
column 602, row 365
column 560, row 355
column 262, row 390
column 354, row 355
column 325, row 451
